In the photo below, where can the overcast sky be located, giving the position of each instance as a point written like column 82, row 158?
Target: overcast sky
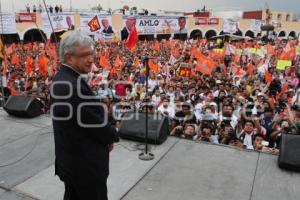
column 178, row 5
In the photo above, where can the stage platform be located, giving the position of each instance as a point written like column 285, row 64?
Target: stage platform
column 181, row 169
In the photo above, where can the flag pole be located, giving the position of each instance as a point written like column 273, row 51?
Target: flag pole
column 56, row 41
column 3, row 60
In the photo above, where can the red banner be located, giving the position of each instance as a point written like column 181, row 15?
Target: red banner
column 206, row 21
column 25, row 17
column 201, row 21
column 213, row 21
column 94, row 24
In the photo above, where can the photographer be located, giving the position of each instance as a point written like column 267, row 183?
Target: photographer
column 260, row 145
column 284, row 127
column 184, row 115
column 206, row 134
column 188, row 131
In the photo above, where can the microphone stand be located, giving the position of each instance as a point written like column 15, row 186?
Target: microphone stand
column 146, row 155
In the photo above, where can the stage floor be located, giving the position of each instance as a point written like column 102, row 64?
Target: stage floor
column 181, row 169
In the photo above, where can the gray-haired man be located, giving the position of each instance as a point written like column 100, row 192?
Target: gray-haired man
column 83, row 137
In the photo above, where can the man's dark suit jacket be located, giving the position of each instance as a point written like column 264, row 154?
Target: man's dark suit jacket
column 108, row 30
column 124, row 34
column 82, row 154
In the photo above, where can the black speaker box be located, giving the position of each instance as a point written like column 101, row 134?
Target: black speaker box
column 134, row 128
column 289, row 157
column 24, row 107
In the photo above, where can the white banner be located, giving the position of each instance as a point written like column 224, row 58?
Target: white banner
column 60, row 22
column 106, row 30
column 156, row 24
column 255, row 25
column 9, row 24
column 230, row 26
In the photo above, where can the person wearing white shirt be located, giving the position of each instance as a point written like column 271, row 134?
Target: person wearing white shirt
column 166, row 109
column 152, row 82
column 227, row 115
column 247, row 136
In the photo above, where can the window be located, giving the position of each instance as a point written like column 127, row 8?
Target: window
column 288, row 16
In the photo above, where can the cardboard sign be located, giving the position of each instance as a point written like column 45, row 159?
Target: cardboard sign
column 282, row 64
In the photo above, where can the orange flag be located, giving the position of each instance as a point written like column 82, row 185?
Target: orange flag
column 29, row 65
column 250, row 68
column 15, row 59
column 240, row 72
column 153, row 66
column 237, row 59
column 204, row 64
column 156, row 46
column 105, row 63
column 43, row 65
column 118, row 62
column 137, row 63
column 2, row 50
column 268, row 76
column 285, row 87
column 270, row 49
column 175, row 52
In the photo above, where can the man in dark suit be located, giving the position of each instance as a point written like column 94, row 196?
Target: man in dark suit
column 82, row 136
column 129, row 25
column 124, row 34
column 107, row 29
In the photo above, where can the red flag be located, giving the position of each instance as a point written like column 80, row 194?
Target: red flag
column 268, row 76
column 94, row 24
column 132, row 39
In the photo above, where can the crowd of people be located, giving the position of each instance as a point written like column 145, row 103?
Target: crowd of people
column 41, row 8
column 233, row 92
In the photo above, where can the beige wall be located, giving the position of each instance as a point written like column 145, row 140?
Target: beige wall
column 117, row 24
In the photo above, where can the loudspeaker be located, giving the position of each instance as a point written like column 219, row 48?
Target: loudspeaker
column 289, row 157
column 134, row 128
column 26, row 107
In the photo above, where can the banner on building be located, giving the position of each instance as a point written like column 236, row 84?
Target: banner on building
column 8, row 23
column 255, row 25
column 213, row 21
column 201, row 21
column 105, row 30
column 60, row 22
column 25, row 17
column 155, row 24
column 206, row 21
column 230, row 26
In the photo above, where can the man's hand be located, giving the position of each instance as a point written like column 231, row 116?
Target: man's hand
column 111, row 147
